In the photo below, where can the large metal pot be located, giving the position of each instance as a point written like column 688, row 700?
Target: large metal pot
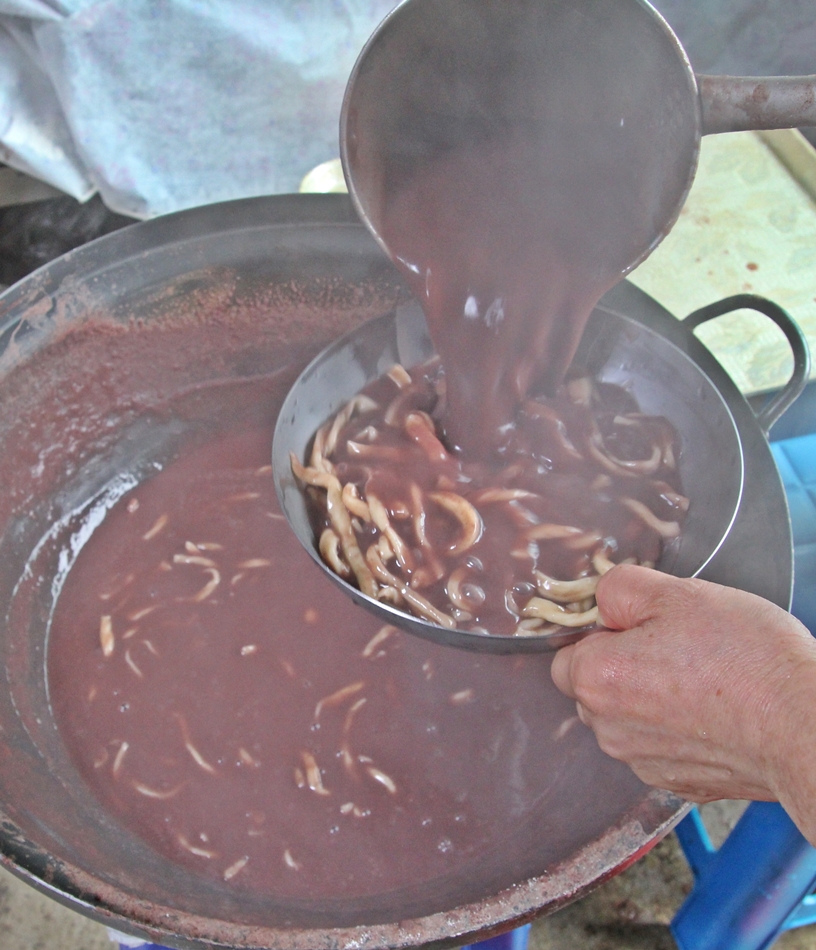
column 256, row 287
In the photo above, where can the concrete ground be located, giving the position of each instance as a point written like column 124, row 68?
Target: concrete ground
column 630, row 912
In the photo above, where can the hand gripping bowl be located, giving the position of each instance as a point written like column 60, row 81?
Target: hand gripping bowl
column 234, row 292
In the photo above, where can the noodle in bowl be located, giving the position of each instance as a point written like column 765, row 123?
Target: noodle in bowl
column 396, row 535
column 417, row 526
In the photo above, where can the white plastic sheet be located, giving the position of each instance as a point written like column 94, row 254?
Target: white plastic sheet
column 166, row 104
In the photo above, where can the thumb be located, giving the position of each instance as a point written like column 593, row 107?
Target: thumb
column 628, row 596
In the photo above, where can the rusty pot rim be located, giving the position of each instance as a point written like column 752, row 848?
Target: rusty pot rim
column 618, row 847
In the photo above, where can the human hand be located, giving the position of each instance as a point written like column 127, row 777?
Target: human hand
column 703, row 690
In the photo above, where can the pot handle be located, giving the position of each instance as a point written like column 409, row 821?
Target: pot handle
column 791, row 391
column 739, row 103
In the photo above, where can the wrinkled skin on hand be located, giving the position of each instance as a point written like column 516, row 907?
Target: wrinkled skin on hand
column 703, row 690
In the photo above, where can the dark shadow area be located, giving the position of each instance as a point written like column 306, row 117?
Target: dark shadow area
column 34, row 234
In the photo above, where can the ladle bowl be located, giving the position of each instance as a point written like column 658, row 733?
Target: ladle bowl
column 614, row 349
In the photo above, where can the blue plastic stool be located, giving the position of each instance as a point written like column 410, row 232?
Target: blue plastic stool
column 754, row 887
column 757, row 885
column 796, row 461
column 133, row 944
column 760, row 882
column 512, row 940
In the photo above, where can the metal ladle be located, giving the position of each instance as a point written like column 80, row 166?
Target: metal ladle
column 611, row 83
column 609, row 78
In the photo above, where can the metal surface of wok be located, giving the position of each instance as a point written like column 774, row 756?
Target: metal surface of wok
column 261, row 287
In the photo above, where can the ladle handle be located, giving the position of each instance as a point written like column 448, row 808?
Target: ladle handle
column 791, row 391
column 738, row 103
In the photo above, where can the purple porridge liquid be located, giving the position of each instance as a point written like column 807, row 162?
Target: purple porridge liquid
column 200, row 725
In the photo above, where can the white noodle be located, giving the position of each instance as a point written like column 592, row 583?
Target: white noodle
column 196, row 756
column 379, row 515
column 314, row 779
column 601, row 562
column 565, row 591
column 465, row 514
column 489, row 495
column 422, row 606
column 234, row 868
column 666, row 529
column 209, row 587
column 353, row 710
column 106, row 638
column 193, row 849
column 355, row 504
column 463, row 596
column 338, row 697
column 379, row 638
column 399, row 376
column 247, row 758
column 139, row 614
column 149, row 792
column 130, row 662
column 420, row 429
column 551, row 532
column 158, row 526
column 116, row 768
column 554, row 613
column 195, row 559
column 385, row 780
